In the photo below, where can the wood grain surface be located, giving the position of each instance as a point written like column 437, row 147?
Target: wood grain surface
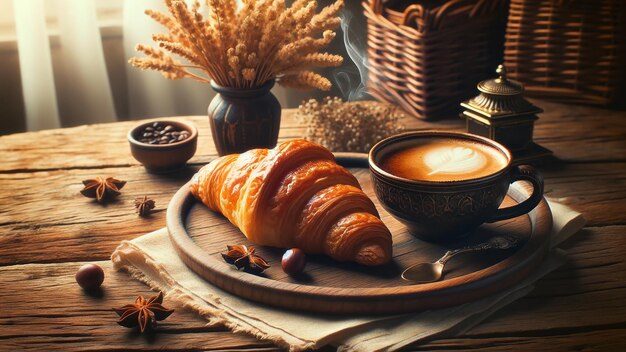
column 327, row 286
column 47, row 230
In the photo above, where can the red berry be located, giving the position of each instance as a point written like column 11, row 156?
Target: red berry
column 294, row 261
column 90, row 276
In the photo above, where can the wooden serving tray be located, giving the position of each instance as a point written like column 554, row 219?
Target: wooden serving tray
column 200, row 235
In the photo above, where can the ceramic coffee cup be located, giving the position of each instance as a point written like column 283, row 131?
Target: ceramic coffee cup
column 446, row 210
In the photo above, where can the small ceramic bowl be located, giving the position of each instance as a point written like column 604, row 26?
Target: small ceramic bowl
column 163, row 157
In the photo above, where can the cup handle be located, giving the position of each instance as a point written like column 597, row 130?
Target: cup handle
column 522, row 173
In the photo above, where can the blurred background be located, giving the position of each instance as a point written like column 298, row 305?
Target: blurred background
column 64, row 63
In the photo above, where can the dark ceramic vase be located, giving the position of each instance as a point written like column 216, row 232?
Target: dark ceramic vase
column 243, row 119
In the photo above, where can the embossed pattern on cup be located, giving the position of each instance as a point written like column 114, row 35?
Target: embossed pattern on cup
column 443, row 211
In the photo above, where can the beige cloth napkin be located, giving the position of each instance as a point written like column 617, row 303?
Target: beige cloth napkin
column 152, row 260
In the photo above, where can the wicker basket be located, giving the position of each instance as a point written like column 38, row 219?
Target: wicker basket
column 571, row 51
column 427, row 60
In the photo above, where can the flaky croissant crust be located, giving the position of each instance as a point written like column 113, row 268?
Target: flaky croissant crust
column 296, row 195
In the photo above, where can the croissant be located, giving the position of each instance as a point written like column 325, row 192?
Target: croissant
column 295, row 195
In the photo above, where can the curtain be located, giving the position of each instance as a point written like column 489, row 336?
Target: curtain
column 63, row 65
column 77, row 66
column 40, row 98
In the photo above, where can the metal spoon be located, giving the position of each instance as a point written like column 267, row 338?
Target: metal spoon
column 430, row 272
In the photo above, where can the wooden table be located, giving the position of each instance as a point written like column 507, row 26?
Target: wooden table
column 48, row 230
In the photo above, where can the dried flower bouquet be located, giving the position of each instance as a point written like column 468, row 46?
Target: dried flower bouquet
column 349, row 126
column 244, row 47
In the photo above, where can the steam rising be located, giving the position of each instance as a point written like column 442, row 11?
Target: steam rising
column 351, row 80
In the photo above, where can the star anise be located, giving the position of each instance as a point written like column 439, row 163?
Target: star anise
column 244, row 257
column 102, row 189
column 144, row 205
column 143, row 313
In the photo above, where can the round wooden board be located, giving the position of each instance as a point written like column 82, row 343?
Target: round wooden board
column 200, row 235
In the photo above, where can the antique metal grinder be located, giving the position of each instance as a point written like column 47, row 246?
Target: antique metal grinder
column 501, row 113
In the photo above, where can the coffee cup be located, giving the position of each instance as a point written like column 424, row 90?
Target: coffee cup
column 442, row 185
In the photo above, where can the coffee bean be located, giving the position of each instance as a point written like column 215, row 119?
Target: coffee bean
column 159, row 133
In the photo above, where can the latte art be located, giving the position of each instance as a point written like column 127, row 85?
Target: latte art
column 444, row 159
column 453, row 160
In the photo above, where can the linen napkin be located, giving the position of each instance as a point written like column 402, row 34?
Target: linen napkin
column 152, row 259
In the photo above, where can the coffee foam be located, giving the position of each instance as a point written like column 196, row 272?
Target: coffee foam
column 443, row 159
column 453, row 160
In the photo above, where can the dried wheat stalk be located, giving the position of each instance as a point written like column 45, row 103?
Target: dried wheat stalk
column 244, row 47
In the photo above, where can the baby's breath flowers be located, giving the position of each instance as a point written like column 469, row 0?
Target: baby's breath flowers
column 244, row 47
column 348, row 126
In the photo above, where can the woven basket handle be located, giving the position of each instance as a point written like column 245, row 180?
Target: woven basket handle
column 377, row 6
column 478, row 7
column 413, row 14
column 416, row 12
column 483, row 7
column 446, row 9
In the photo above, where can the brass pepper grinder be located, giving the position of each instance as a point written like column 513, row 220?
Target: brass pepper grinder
column 501, row 113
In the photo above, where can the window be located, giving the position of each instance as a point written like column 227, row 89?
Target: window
column 109, row 17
